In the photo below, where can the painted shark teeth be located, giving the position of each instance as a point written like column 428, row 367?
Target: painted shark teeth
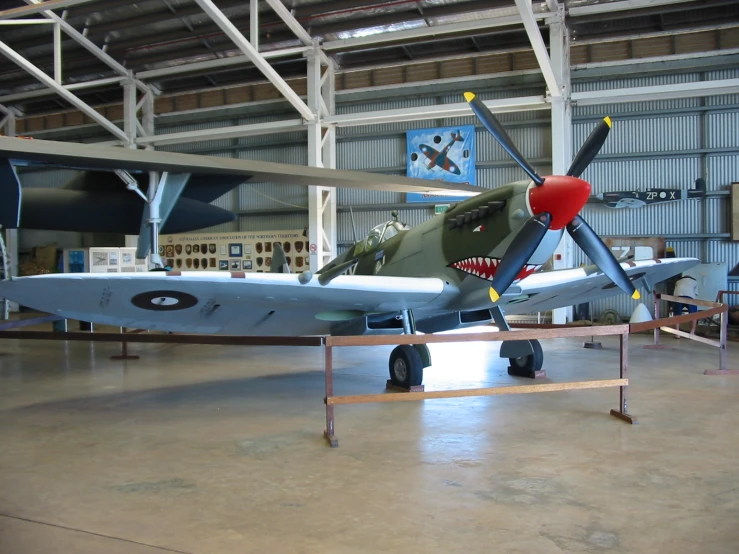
column 485, row 268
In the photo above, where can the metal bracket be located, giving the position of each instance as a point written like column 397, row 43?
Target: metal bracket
column 163, row 196
column 131, row 183
column 499, row 318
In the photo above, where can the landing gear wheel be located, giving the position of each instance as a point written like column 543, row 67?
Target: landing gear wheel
column 406, row 366
column 527, row 366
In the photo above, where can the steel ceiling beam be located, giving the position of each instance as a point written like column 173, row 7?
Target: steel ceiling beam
column 436, row 111
column 23, row 11
column 540, row 49
column 237, row 131
column 506, row 17
column 218, row 63
column 61, row 91
column 74, row 86
column 295, row 26
column 254, row 23
column 657, row 92
column 608, row 7
column 87, row 44
column 292, row 23
column 256, row 58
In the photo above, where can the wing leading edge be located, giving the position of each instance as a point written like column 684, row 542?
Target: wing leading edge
column 555, row 289
column 220, row 302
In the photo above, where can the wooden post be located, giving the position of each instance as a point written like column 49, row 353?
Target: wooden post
column 723, row 338
column 124, row 349
column 329, row 379
column 623, row 401
column 656, row 345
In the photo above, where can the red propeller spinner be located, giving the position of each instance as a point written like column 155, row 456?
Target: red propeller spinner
column 561, row 196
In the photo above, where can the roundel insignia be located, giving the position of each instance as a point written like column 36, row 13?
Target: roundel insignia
column 164, row 300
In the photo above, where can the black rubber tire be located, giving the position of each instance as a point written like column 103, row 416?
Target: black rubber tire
column 527, row 366
column 406, row 366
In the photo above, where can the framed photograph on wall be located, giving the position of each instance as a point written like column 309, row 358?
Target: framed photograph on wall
column 234, row 250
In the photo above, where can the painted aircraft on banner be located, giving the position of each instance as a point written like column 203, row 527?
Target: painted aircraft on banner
column 441, row 159
column 466, row 267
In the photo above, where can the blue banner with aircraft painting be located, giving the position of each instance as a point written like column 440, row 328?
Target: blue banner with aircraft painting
column 441, row 154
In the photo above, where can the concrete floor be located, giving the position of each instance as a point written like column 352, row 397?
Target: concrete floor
column 219, row 449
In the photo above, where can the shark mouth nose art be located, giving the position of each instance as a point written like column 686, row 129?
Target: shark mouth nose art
column 485, row 268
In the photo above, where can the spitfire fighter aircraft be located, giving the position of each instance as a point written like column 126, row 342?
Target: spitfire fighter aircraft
column 464, row 268
column 441, row 159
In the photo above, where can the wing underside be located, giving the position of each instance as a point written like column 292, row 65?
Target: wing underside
column 224, row 303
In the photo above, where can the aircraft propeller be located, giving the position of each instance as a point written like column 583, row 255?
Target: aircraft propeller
column 555, row 202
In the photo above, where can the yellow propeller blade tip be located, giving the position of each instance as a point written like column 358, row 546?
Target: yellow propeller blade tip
column 608, row 121
column 494, row 296
column 636, row 295
column 469, row 96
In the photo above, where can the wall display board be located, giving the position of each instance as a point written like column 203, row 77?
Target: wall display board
column 240, row 251
column 102, row 260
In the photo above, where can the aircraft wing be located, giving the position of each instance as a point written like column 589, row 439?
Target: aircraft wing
column 567, row 287
column 90, row 156
column 222, row 302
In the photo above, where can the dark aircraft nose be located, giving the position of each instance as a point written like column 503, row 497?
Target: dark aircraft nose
column 561, row 196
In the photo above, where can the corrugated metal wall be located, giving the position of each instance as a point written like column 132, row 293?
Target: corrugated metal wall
column 666, row 144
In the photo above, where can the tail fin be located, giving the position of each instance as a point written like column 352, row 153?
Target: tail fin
column 279, row 261
column 10, row 196
column 699, row 191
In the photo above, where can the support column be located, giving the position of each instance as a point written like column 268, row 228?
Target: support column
column 129, row 112
column 321, row 153
column 559, row 42
column 11, row 235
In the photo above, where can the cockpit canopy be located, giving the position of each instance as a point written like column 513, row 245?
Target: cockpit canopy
column 380, row 234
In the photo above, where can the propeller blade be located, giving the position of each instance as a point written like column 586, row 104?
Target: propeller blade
column 522, row 247
column 492, row 124
column 600, row 255
column 590, row 148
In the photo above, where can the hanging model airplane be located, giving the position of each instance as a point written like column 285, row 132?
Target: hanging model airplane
column 441, row 159
column 641, row 198
column 461, row 269
column 112, row 194
column 98, row 202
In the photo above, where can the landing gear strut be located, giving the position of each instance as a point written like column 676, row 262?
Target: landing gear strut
column 408, row 360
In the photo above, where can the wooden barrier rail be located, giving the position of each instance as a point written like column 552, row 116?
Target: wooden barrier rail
column 622, row 382
column 662, row 325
